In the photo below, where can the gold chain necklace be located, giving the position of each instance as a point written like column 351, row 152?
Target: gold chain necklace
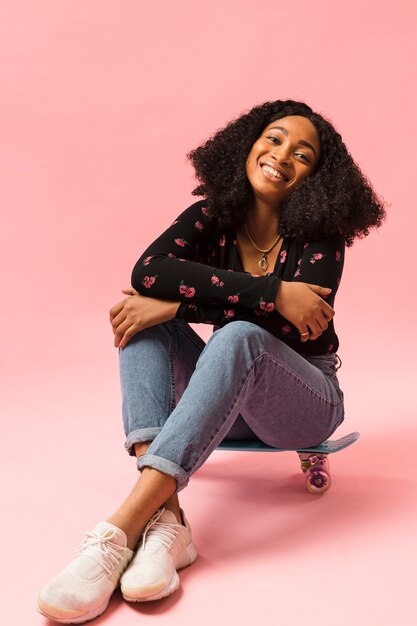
column 263, row 263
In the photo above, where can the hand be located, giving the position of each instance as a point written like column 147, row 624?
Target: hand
column 302, row 304
column 136, row 313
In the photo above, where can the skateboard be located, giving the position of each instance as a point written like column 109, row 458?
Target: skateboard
column 314, row 461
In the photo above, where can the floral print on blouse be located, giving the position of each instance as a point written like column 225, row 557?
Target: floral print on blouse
column 197, row 263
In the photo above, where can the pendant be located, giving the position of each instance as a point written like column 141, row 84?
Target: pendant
column 263, row 263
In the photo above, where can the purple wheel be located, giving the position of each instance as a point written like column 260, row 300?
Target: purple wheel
column 317, row 481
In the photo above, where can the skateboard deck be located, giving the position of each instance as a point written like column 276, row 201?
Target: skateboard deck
column 326, row 447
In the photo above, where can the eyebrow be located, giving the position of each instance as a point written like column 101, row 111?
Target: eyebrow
column 302, row 142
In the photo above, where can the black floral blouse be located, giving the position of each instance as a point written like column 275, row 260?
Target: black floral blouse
column 197, row 263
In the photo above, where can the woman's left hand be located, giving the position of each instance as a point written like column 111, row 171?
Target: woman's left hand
column 136, row 313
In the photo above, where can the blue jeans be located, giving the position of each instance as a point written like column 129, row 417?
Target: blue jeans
column 186, row 396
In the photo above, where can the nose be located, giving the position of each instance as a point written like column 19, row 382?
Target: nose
column 280, row 154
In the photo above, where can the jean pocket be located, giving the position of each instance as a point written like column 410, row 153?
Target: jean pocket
column 324, row 362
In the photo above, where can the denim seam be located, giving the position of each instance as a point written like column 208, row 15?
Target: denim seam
column 171, row 369
column 178, row 327
column 300, row 380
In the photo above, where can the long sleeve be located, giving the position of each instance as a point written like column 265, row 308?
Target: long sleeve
column 214, row 314
column 321, row 263
column 178, row 265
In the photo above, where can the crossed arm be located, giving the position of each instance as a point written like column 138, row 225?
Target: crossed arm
column 159, row 271
column 300, row 303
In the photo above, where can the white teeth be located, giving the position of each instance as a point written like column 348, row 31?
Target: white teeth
column 271, row 170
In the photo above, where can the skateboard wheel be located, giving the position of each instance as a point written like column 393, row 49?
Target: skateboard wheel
column 317, row 481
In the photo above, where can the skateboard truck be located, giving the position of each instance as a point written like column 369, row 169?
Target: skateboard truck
column 314, row 461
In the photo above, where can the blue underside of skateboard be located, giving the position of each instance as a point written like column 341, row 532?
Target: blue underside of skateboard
column 326, row 447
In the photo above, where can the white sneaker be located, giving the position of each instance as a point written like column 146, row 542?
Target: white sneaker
column 165, row 547
column 82, row 590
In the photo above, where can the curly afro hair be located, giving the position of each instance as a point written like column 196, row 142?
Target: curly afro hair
column 335, row 198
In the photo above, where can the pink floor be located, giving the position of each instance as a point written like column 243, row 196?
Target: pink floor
column 268, row 549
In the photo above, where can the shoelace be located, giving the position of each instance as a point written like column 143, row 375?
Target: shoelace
column 107, row 555
column 162, row 531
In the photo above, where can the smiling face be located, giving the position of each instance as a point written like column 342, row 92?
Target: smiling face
column 284, row 155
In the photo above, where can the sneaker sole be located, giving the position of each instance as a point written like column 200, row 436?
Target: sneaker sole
column 77, row 620
column 166, row 591
column 191, row 556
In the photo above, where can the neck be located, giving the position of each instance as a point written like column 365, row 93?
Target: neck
column 263, row 223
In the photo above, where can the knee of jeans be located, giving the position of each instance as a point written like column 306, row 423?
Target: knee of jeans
column 237, row 335
column 240, row 329
column 159, row 331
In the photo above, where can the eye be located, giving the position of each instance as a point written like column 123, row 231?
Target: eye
column 303, row 157
column 274, row 139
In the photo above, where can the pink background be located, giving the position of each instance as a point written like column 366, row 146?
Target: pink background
column 100, row 102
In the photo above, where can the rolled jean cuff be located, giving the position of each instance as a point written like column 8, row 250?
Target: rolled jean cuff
column 166, row 467
column 139, row 436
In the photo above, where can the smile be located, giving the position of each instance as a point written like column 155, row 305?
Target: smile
column 272, row 174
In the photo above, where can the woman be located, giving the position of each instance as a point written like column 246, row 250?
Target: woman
column 260, row 258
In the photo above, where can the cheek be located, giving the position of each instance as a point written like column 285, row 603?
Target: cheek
column 250, row 162
column 255, row 152
column 302, row 174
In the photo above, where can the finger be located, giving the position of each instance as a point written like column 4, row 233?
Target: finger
column 328, row 313
column 119, row 319
column 118, row 336
column 322, row 322
column 323, row 292
column 304, row 332
column 129, row 291
column 122, row 328
column 130, row 332
column 315, row 330
column 319, row 290
column 115, row 310
column 326, row 310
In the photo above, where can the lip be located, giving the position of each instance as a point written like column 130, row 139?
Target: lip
column 277, row 169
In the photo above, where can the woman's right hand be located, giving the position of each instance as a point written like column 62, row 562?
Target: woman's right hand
column 136, row 313
column 302, row 304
